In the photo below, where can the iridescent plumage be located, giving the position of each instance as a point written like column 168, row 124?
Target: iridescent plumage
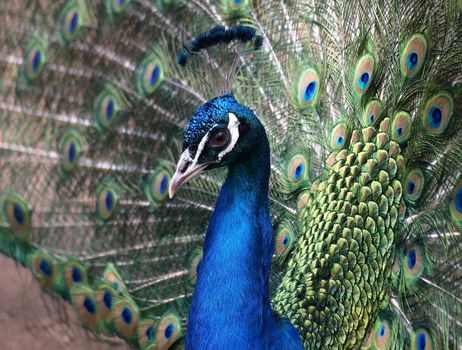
column 361, row 102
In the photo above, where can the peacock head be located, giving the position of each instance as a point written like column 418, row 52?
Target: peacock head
column 220, row 132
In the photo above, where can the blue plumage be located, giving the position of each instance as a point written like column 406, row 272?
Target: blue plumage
column 107, row 298
column 45, row 267
column 89, row 305
column 76, row 275
column 169, row 331
column 412, row 60
column 36, row 61
column 126, row 315
column 363, row 80
column 209, row 114
column 310, row 91
column 231, row 305
column 72, row 152
column 367, row 215
column 459, row 201
column 109, row 109
column 421, row 341
column 154, row 76
column 299, row 171
column 74, row 22
column 18, row 214
column 109, row 200
column 150, row 333
column 435, row 117
column 411, row 259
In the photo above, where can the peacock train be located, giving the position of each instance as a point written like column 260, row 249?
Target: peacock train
column 238, row 174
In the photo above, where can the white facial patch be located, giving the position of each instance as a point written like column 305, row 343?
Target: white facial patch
column 233, row 127
column 184, row 161
column 201, row 146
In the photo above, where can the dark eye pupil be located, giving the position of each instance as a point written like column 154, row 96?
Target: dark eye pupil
column 219, row 139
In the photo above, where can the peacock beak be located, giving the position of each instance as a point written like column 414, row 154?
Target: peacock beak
column 186, row 169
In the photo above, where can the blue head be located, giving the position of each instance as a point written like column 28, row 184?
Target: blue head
column 220, row 132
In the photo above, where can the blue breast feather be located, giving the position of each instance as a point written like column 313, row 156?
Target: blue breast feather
column 231, row 305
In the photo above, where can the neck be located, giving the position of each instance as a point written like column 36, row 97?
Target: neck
column 231, row 299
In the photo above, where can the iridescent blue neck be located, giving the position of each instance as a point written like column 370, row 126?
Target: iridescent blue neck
column 231, row 304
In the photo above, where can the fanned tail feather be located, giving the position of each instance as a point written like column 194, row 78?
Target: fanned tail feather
column 356, row 97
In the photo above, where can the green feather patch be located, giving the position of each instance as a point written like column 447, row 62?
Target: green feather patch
column 372, row 113
column 112, row 276
column 75, row 273
column 149, row 75
column 413, row 185
column 35, row 58
column 169, row 331
column 303, row 199
column 85, row 305
column 414, row 55
column 157, row 184
column 437, row 113
column 105, row 296
column 422, row 340
column 415, row 264
column 455, row 204
column 233, row 9
column 107, row 200
column 396, row 270
column 285, row 238
column 70, row 147
column 340, row 135
column 17, row 214
column 195, row 257
column 364, row 74
column 168, row 4
column 45, row 269
column 125, row 316
column 401, row 127
column 306, row 89
column 146, row 332
column 71, row 22
column 115, row 8
column 107, row 106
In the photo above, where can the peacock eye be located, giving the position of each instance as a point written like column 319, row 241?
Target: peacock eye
column 219, row 139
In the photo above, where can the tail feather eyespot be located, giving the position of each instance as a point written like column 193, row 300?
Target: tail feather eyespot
column 364, row 74
column 414, row 55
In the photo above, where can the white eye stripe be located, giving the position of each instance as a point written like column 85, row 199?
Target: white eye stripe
column 233, row 127
column 184, row 161
column 201, row 146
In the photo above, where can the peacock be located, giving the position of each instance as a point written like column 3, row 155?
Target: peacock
column 237, row 174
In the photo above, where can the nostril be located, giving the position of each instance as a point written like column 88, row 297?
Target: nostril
column 185, row 166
